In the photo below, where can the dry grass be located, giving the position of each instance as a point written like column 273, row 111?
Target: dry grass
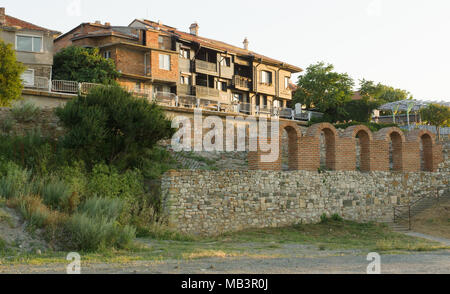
column 434, row 221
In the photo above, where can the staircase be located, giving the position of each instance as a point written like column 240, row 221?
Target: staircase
column 407, row 212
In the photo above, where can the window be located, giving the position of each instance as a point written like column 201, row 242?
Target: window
column 107, row 54
column 286, row 82
column 29, row 43
column 225, row 61
column 148, row 69
column 164, row 43
column 184, row 53
column 28, row 77
column 164, row 61
column 185, row 80
column 222, row 86
column 266, row 77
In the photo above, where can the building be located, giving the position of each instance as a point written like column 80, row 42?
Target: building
column 166, row 62
column 33, row 46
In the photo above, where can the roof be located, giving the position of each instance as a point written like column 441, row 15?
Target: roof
column 214, row 44
column 410, row 104
column 15, row 22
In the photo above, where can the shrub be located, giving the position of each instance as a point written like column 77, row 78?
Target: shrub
column 106, row 182
column 7, row 124
column 323, row 218
column 10, row 75
column 110, row 209
column 336, row 217
column 91, row 234
column 110, row 125
column 15, row 181
column 31, row 150
column 25, row 111
column 57, row 194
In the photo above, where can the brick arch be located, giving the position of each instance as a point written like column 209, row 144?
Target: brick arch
column 294, row 135
column 398, row 139
column 313, row 137
column 365, row 137
column 428, row 141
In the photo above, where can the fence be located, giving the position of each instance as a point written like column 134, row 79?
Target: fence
column 188, row 101
column 443, row 131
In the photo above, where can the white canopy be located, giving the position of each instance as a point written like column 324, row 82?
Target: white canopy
column 410, row 105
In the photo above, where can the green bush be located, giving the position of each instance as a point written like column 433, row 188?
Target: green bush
column 56, row 194
column 91, row 234
column 31, row 150
column 323, row 218
column 15, row 181
column 7, row 124
column 374, row 127
column 336, row 217
column 106, row 182
column 110, row 125
column 25, row 112
column 110, row 209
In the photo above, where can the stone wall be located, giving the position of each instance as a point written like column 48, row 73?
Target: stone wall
column 210, row 203
column 46, row 122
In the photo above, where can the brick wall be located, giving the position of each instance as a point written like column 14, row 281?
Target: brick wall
column 375, row 154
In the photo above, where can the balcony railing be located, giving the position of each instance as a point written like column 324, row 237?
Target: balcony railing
column 165, row 98
column 245, row 108
column 241, row 82
column 70, row 87
column 204, row 92
column 205, row 65
column 186, row 90
column 187, row 101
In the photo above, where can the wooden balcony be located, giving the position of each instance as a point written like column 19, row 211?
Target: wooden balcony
column 185, row 90
column 206, row 92
column 242, row 83
column 206, row 67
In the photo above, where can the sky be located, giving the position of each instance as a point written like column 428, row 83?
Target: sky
column 400, row 43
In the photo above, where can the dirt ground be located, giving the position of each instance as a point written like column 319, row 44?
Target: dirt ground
column 350, row 263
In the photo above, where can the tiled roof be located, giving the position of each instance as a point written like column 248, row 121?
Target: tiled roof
column 220, row 45
column 15, row 22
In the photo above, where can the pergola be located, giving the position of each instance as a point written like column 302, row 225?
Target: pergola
column 408, row 106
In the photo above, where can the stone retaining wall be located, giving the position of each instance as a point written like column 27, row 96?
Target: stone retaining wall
column 213, row 202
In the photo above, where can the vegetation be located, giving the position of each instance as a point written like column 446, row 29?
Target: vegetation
column 109, row 125
column 96, row 187
column 25, row 112
column 10, row 75
column 83, row 65
column 325, row 90
column 436, row 115
column 380, row 93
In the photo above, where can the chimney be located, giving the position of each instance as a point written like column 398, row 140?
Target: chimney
column 246, row 43
column 2, row 16
column 194, row 29
column 107, row 24
column 98, row 22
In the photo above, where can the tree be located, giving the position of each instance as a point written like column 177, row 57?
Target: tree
column 325, row 90
column 110, row 125
column 10, row 75
column 436, row 115
column 360, row 110
column 83, row 65
column 382, row 93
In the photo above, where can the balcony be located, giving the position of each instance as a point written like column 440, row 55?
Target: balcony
column 241, row 83
column 206, row 92
column 206, row 67
column 185, row 90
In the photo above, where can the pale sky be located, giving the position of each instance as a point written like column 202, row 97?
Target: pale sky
column 401, row 43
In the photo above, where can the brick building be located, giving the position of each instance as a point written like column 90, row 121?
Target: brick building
column 34, row 48
column 156, row 58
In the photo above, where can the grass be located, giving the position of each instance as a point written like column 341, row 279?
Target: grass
column 434, row 221
column 259, row 243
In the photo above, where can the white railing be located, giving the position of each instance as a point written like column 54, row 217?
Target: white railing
column 65, row 86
